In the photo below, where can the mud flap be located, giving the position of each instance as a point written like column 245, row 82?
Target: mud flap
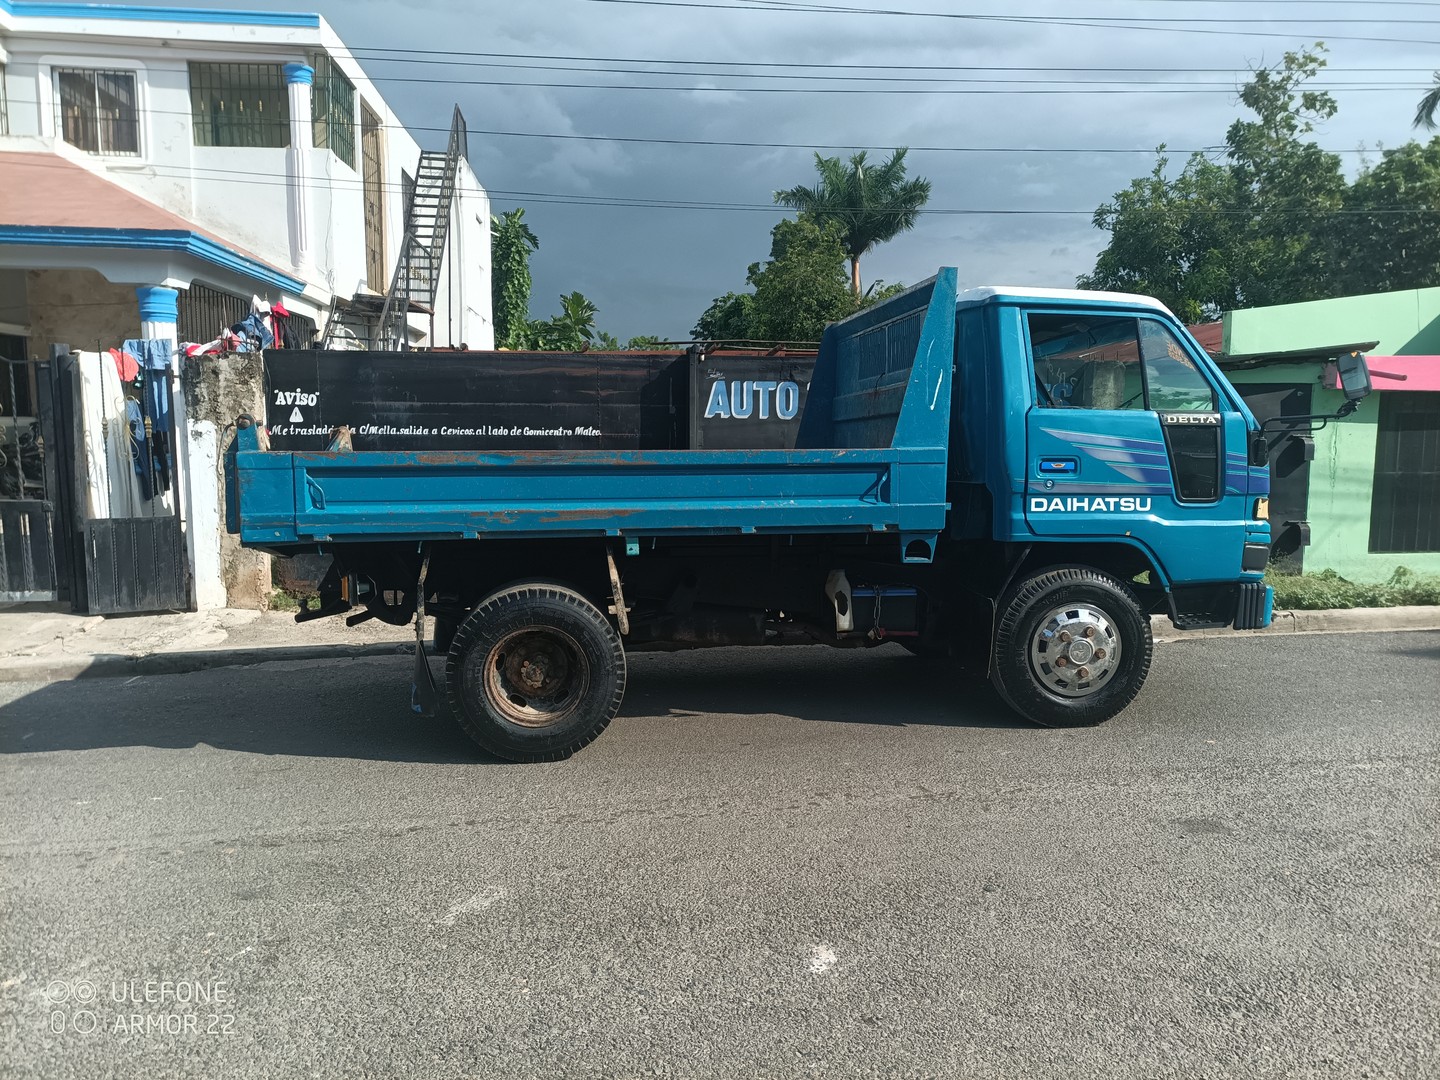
column 424, row 698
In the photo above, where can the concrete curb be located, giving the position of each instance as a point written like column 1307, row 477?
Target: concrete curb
column 44, row 669
column 1332, row 621
column 114, row 666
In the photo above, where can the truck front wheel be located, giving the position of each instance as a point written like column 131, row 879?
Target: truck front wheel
column 535, row 672
column 1072, row 648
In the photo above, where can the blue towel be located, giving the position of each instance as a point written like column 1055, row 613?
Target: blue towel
column 153, row 353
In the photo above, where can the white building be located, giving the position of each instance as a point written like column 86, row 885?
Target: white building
column 220, row 154
column 159, row 167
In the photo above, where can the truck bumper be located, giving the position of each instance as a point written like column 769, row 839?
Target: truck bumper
column 1255, row 607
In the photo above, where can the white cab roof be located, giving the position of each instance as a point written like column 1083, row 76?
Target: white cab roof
column 1021, row 292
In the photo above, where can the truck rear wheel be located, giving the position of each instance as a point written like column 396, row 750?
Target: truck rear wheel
column 535, row 672
column 1072, row 648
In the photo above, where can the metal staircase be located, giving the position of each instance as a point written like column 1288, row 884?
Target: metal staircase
column 427, row 228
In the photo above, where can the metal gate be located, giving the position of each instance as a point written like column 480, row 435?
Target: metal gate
column 123, row 542
column 29, row 569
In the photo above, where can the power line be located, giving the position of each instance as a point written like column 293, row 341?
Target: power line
column 972, row 16
column 655, row 202
column 857, row 78
column 814, row 6
column 983, row 80
column 868, row 146
column 1084, row 22
column 398, row 55
column 764, row 145
column 1067, row 87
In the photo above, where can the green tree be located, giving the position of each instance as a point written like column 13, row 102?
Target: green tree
column 572, row 330
column 1389, row 237
column 869, row 204
column 511, row 243
column 1253, row 228
column 1429, row 105
column 1172, row 239
column 1287, row 188
column 647, row 343
column 802, row 286
column 728, row 318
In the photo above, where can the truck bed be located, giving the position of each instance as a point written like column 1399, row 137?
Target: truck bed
column 871, row 457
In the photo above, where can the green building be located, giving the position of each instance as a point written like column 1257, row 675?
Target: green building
column 1361, row 496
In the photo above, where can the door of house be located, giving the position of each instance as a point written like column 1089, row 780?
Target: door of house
column 117, row 492
column 372, row 165
column 29, row 568
column 1290, row 455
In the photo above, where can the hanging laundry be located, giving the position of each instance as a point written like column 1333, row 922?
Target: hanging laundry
column 210, row 348
column 125, row 364
column 153, row 353
column 140, row 449
column 253, row 333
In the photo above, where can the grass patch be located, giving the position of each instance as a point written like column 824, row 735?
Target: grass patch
column 280, row 600
column 1327, row 589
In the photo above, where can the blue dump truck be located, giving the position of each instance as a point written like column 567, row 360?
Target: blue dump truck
column 1011, row 480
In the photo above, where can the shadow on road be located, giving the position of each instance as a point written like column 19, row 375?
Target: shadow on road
column 885, row 686
column 361, row 708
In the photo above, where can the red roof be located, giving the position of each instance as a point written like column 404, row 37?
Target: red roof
column 1210, row 335
column 45, row 191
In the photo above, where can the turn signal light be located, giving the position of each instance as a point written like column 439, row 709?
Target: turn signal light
column 1262, row 509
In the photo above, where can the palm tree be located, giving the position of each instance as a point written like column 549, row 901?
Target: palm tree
column 871, row 205
column 1429, row 104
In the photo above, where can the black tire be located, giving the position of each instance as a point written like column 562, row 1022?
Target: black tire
column 1084, row 683
column 535, row 672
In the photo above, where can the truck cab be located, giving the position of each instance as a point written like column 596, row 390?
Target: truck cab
column 1115, row 428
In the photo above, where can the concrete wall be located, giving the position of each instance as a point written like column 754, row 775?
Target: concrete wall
column 14, row 309
column 217, row 390
column 79, row 308
column 1405, row 323
column 1343, row 472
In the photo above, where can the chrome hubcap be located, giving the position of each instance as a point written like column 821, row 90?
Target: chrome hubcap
column 1075, row 651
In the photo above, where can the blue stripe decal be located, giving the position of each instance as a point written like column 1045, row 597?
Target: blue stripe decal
column 190, row 243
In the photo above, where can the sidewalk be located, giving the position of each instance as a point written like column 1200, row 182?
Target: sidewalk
column 48, row 645
column 40, row 644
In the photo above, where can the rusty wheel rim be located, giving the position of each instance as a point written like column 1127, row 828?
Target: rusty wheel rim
column 536, row 677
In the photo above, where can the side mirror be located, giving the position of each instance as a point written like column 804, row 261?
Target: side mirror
column 1353, row 375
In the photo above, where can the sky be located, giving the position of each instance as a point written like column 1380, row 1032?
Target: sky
column 653, row 270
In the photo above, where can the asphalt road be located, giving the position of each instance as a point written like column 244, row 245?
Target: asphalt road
column 782, row 863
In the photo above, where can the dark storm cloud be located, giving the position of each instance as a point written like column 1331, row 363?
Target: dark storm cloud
column 654, row 270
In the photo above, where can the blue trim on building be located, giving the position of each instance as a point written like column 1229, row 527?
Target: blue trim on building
column 136, row 13
column 158, row 303
column 179, row 240
column 299, row 73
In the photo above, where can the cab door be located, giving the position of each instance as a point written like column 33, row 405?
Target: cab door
column 1132, row 436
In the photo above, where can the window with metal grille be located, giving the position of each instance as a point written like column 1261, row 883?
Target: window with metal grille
column 1405, row 504
column 203, row 313
column 333, row 110
column 97, row 111
column 239, row 105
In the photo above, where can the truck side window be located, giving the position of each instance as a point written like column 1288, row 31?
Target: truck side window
column 1174, row 383
column 1087, row 361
